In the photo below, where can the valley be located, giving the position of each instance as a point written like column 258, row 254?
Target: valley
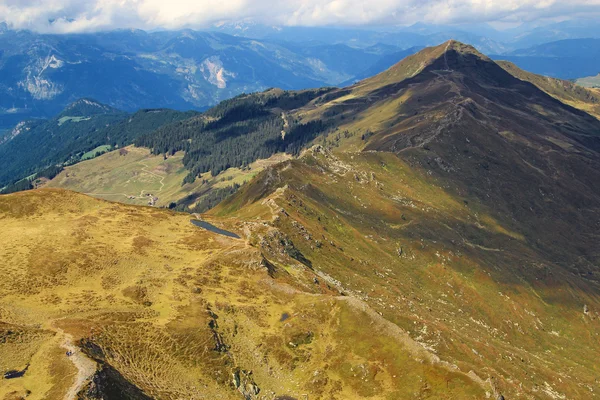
column 132, row 175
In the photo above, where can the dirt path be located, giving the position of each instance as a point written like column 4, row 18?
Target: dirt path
column 141, row 195
column 85, row 367
column 446, row 56
column 162, row 177
column 286, row 125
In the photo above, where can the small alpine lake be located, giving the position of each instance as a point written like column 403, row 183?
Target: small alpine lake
column 212, row 228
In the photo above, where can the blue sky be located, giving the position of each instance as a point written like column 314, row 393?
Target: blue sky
column 93, row 15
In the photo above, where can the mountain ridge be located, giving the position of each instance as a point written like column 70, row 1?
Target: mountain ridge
column 436, row 237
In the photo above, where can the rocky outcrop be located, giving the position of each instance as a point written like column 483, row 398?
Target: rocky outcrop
column 109, row 384
column 242, row 380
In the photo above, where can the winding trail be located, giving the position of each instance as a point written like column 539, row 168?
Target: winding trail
column 85, row 367
column 286, row 125
column 446, row 56
column 141, row 195
column 162, row 177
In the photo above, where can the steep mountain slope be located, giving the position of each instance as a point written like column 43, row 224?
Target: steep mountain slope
column 384, row 63
column 164, row 309
column 198, row 161
column 437, row 240
column 238, row 132
column 460, row 115
column 461, row 203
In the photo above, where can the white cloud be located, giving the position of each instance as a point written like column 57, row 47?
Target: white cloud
column 91, row 15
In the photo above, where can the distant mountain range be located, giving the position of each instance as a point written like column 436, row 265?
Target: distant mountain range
column 483, row 36
column 565, row 59
column 129, row 70
column 40, row 74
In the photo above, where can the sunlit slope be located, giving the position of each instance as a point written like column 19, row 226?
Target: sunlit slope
column 130, row 175
column 466, row 285
column 439, row 241
column 592, row 82
column 133, row 175
column 163, row 309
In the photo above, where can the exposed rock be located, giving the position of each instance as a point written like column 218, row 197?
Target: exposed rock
column 109, row 384
column 244, row 383
column 220, row 345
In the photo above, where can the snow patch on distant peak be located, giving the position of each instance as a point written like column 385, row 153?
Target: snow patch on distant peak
column 54, row 62
column 89, row 103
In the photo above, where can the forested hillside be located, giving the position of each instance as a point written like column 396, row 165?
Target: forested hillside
column 238, row 131
column 84, row 126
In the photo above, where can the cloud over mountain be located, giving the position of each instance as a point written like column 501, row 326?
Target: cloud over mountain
column 92, row 15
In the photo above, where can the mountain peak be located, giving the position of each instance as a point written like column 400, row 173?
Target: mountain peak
column 449, row 56
column 452, row 55
column 458, row 46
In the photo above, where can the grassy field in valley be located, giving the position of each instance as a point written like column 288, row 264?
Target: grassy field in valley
column 133, row 175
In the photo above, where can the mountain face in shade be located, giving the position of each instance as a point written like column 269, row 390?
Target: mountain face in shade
column 505, row 142
column 573, row 94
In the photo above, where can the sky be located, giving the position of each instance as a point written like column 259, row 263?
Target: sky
column 95, row 15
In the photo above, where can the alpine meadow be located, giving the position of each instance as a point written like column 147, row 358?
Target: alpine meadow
column 306, row 200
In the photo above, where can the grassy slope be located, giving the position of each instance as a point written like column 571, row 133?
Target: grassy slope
column 135, row 174
column 136, row 284
column 590, row 82
column 456, row 286
column 131, row 177
column 475, row 244
column 92, row 153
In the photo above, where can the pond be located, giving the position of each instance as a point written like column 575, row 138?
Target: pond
column 212, row 228
column 12, row 374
